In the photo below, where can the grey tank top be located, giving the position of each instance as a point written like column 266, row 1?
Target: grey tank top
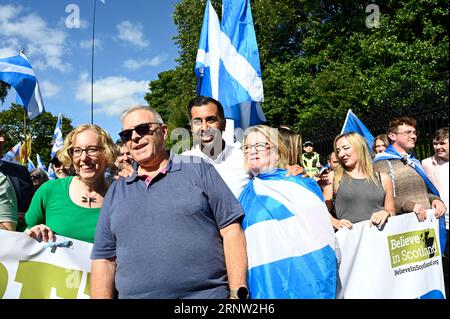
column 357, row 199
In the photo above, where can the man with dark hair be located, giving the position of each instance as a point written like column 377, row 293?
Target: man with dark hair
column 413, row 191
column 208, row 123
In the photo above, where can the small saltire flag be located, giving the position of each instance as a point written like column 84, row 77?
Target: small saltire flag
column 30, row 165
column 227, row 63
column 13, row 155
column 25, row 150
column 40, row 163
column 290, row 240
column 57, row 137
column 51, row 172
column 17, row 72
column 353, row 124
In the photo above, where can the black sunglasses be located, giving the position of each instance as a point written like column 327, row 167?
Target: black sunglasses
column 141, row 130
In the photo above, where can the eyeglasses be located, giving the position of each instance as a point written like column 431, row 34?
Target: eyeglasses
column 141, row 129
column 34, row 177
column 260, row 147
column 91, row 151
column 408, row 133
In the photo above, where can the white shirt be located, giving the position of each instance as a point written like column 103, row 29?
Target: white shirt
column 437, row 171
column 229, row 164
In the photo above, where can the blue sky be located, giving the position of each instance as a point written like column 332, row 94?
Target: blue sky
column 133, row 43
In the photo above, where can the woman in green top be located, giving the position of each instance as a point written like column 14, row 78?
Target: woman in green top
column 70, row 206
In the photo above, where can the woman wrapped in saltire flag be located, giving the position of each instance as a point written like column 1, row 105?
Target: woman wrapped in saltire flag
column 290, row 240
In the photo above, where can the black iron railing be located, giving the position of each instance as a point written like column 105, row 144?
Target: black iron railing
column 427, row 124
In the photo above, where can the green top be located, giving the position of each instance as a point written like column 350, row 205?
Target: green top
column 52, row 206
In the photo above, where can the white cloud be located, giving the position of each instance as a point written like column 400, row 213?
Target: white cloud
column 84, row 24
column 137, row 64
column 113, row 94
column 28, row 30
column 49, row 89
column 7, row 52
column 132, row 33
column 87, row 44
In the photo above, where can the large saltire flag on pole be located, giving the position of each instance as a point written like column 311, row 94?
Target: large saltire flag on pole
column 290, row 240
column 353, row 124
column 57, row 137
column 17, row 72
column 227, row 64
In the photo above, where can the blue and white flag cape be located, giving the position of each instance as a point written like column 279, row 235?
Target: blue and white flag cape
column 391, row 154
column 227, row 63
column 57, row 137
column 17, row 72
column 353, row 124
column 290, row 240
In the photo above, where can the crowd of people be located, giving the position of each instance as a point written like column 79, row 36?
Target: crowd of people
column 217, row 220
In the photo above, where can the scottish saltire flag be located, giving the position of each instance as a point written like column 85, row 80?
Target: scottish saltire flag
column 290, row 240
column 57, row 137
column 51, row 172
column 353, row 124
column 40, row 163
column 227, row 63
column 13, row 155
column 17, row 72
column 30, row 165
column 391, row 154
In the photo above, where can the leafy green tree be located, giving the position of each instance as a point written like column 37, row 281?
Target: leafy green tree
column 41, row 129
column 320, row 58
column 4, row 87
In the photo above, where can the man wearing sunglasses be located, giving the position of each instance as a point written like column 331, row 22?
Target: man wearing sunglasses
column 171, row 229
column 207, row 120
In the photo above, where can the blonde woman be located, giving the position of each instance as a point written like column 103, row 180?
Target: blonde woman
column 360, row 193
column 70, row 206
column 290, row 240
column 293, row 141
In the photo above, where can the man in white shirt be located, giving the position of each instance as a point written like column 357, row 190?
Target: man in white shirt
column 207, row 124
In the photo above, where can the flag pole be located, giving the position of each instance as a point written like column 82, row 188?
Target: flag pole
column 92, row 65
column 199, row 89
column 22, row 51
column 24, row 123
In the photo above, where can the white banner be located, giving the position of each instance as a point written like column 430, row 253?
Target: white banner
column 33, row 270
column 401, row 261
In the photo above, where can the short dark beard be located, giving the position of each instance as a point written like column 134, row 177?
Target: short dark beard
column 213, row 149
